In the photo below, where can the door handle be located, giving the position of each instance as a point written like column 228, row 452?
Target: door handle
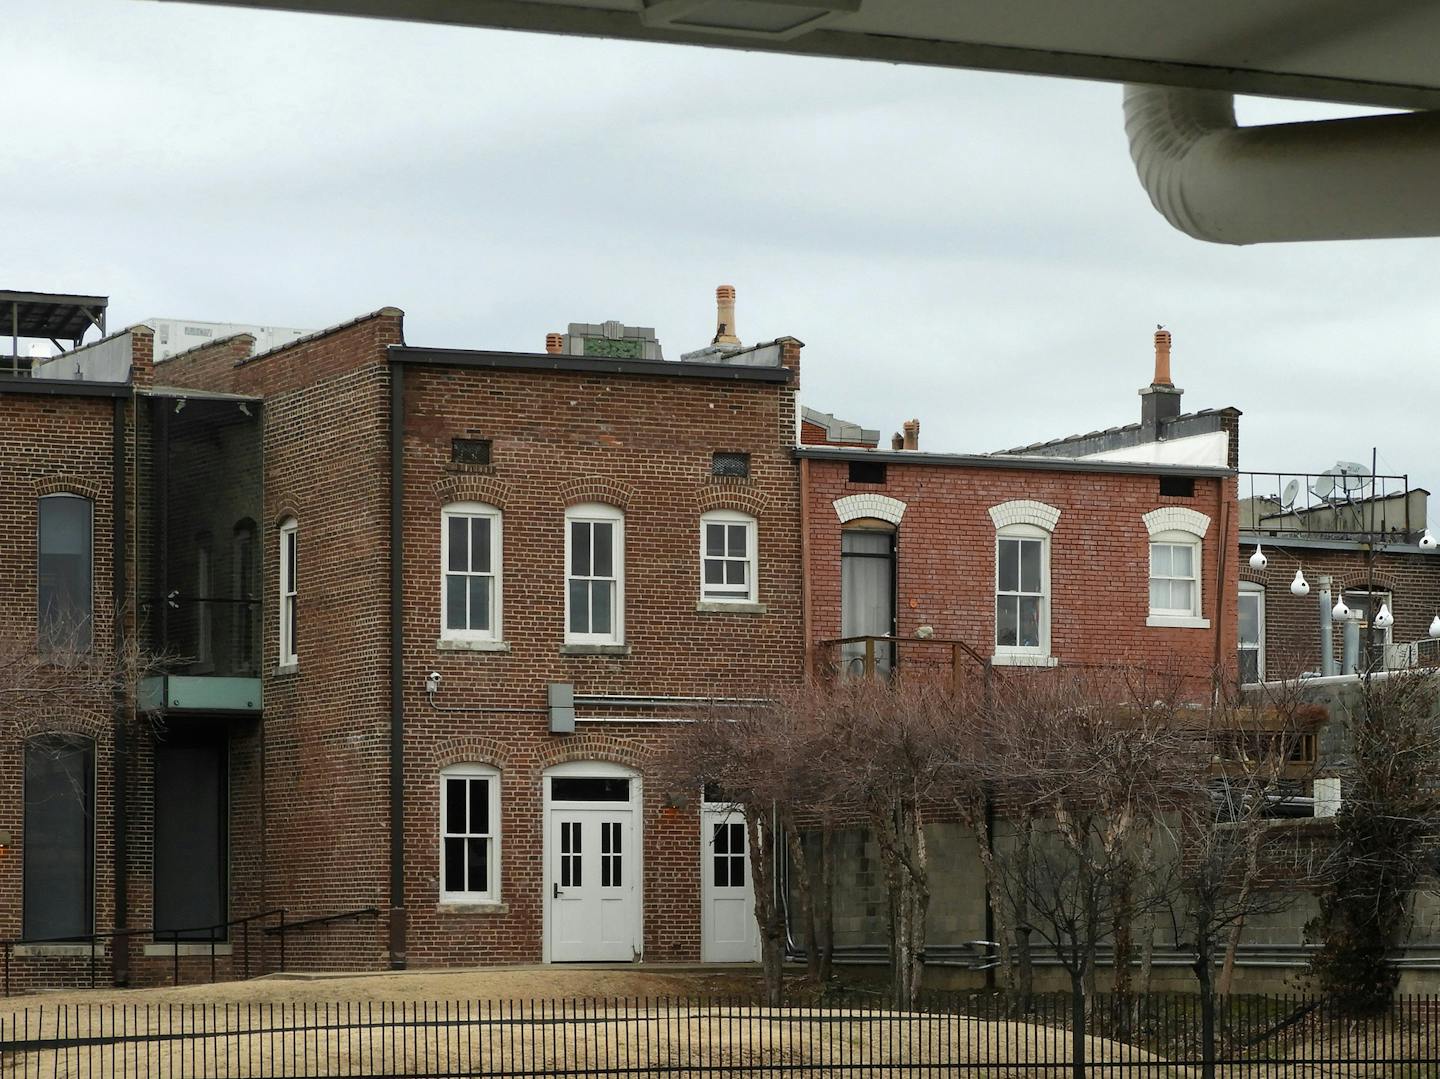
column 556, row 892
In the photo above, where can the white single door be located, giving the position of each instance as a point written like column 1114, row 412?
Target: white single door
column 728, row 933
column 593, row 890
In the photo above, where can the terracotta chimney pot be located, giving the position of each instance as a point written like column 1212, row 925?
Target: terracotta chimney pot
column 912, row 434
column 725, row 316
column 554, row 343
column 1162, row 357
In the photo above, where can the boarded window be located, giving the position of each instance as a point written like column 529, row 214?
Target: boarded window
column 59, row 836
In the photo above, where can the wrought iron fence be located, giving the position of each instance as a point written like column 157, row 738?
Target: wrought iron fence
column 1120, row 1036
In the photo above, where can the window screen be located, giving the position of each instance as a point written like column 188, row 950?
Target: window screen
column 470, row 451
column 730, row 464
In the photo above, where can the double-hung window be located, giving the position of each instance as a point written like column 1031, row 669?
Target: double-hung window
column 470, row 552
column 1022, row 591
column 594, row 575
column 65, row 601
column 1174, row 584
column 469, row 834
column 1252, row 632
column 289, row 592
column 727, row 558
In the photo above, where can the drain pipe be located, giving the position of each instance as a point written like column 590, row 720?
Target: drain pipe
column 1368, row 177
column 1327, row 637
column 1350, row 654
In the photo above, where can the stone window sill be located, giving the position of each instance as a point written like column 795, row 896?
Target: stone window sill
column 1021, row 659
column 22, row 951
column 493, row 907
column 189, row 948
column 287, row 668
column 720, row 606
column 594, row 649
column 1171, row 621
column 452, row 644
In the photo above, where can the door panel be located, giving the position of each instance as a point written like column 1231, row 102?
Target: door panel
column 728, row 931
column 592, row 891
column 867, row 597
column 190, row 835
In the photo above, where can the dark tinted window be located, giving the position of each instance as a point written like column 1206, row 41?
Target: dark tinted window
column 1177, row 487
column 470, row 451
column 64, row 592
column 589, row 789
column 867, row 472
column 59, row 836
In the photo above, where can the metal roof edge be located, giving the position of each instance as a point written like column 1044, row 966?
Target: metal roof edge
column 546, row 361
column 63, row 387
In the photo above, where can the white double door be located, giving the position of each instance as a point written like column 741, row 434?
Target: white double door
column 728, row 933
column 594, row 890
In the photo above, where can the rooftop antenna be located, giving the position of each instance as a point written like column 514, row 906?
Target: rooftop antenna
column 1292, row 492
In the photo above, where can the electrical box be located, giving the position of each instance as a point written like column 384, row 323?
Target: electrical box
column 562, row 707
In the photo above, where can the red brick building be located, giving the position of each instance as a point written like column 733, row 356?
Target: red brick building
column 1114, row 548
column 420, row 617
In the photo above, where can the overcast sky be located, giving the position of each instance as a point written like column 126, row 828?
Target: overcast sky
column 970, row 249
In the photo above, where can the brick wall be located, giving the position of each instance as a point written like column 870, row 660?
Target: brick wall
column 53, row 444
column 1292, row 623
column 1099, row 560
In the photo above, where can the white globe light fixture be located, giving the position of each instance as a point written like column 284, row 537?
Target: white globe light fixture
column 1384, row 620
column 1298, row 587
column 1258, row 561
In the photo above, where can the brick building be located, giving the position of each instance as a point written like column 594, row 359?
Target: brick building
column 1113, row 548
column 1359, row 542
column 419, row 618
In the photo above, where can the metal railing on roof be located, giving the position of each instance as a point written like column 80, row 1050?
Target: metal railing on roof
column 1344, row 502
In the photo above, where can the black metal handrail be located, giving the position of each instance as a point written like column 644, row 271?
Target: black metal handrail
column 156, row 935
column 310, row 923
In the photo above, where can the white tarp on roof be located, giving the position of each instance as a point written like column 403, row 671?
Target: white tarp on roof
column 1209, row 450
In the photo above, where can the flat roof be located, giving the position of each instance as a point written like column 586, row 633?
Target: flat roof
column 50, row 314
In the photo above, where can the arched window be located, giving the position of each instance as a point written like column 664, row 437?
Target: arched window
column 470, row 589
column 1023, row 529
column 65, row 600
column 59, row 863
column 594, row 574
column 469, row 834
column 1176, row 543
column 289, row 559
column 728, row 559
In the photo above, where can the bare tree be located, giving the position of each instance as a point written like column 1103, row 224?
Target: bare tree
column 1386, row 833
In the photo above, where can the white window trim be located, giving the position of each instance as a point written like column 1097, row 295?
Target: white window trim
column 492, row 896
column 1253, row 589
column 1023, row 655
column 1168, row 618
column 497, row 560
column 599, row 512
column 751, row 594
column 289, row 595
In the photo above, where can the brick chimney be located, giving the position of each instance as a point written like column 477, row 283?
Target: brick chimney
column 1159, row 401
column 554, row 343
column 725, row 316
column 897, row 441
column 912, row 434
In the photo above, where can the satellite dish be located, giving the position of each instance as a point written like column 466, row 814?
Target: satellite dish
column 1354, row 477
column 1324, row 486
column 1292, row 491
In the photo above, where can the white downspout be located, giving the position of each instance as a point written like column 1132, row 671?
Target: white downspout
column 1368, row 177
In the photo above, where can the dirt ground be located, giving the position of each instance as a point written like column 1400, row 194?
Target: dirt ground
column 489, row 984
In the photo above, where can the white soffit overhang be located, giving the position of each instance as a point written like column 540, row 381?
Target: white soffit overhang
column 1379, row 52
column 1210, row 450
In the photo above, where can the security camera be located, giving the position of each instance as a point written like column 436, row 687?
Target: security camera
column 432, row 682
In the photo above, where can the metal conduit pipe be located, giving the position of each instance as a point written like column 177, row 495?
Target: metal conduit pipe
column 1368, row 177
